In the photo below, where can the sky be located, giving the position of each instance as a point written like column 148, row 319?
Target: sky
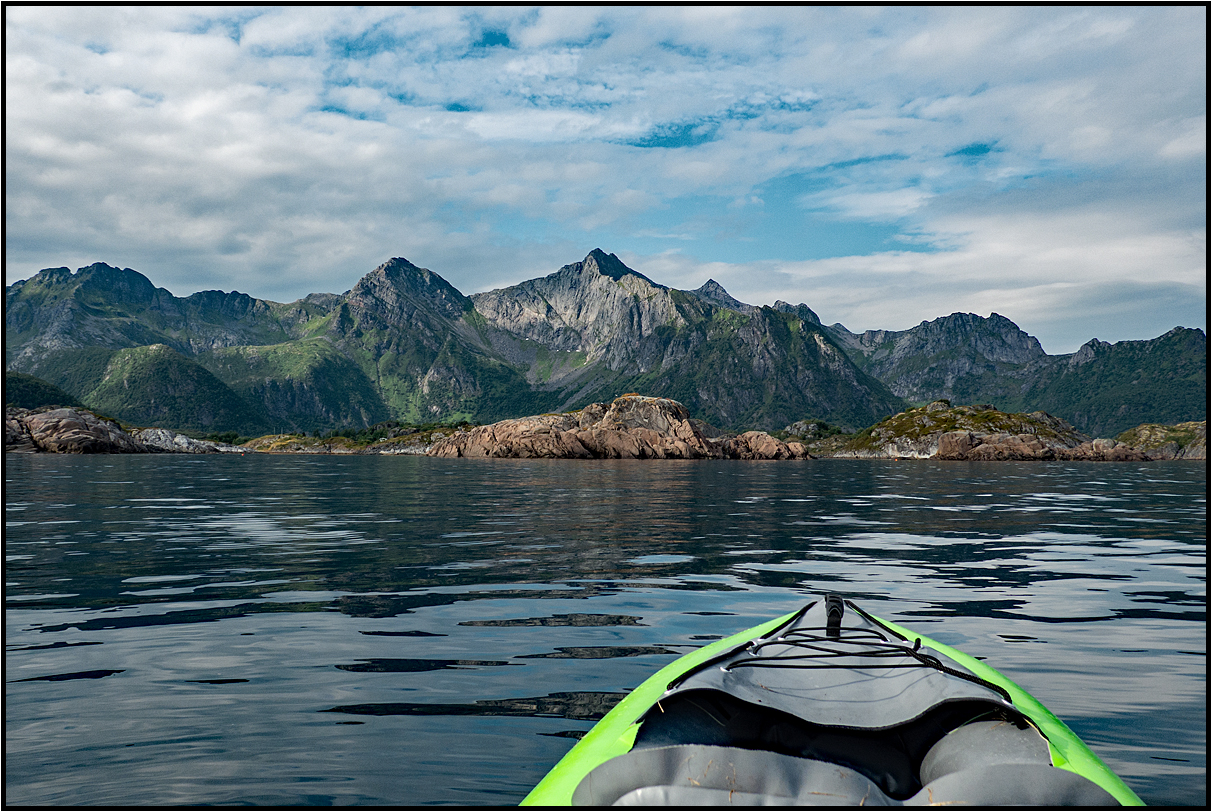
column 885, row 166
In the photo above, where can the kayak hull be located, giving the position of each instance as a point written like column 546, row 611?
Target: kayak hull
column 806, row 691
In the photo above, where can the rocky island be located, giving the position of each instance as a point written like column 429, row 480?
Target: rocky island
column 631, row 427
column 941, row 431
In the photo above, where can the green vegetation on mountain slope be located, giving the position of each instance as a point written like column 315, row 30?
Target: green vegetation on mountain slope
column 1105, row 389
column 28, row 392
column 157, row 386
column 298, row 385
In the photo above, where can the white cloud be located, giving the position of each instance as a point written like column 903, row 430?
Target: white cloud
column 208, row 147
column 1064, row 277
column 1192, row 143
column 876, row 205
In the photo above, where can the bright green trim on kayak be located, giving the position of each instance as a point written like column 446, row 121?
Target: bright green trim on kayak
column 615, row 734
column 1068, row 751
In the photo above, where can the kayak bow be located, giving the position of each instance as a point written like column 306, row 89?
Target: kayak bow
column 829, row 706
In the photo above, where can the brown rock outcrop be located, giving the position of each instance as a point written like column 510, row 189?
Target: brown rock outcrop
column 758, row 445
column 66, row 431
column 1103, row 450
column 631, row 427
column 16, row 433
column 544, row 436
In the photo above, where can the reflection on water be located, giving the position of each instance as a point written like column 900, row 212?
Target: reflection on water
column 382, row 664
column 584, row 705
column 561, row 620
column 201, row 630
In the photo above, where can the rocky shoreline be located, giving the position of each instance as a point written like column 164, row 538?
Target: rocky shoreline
column 941, row 431
column 639, row 427
column 80, row 431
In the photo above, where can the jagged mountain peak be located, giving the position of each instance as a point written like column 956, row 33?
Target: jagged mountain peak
column 801, row 310
column 124, row 283
column 400, row 265
column 1088, row 352
column 399, row 279
column 608, row 264
column 598, row 306
column 713, row 292
column 400, row 270
column 598, row 263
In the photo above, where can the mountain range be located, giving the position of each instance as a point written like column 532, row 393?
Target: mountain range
column 403, row 344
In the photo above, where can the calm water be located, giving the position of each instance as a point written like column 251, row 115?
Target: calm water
column 399, row 631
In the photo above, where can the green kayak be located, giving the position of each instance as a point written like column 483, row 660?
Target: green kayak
column 829, row 706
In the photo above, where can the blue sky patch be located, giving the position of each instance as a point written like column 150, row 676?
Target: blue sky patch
column 492, row 38
column 677, row 136
column 972, row 151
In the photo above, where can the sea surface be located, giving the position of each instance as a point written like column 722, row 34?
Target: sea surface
column 384, row 631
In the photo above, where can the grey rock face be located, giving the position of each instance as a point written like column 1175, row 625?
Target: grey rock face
column 953, row 357
column 16, row 433
column 1087, row 352
column 597, row 306
column 79, row 431
column 168, row 440
column 802, row 311
column 713, row 292
column 730, row 363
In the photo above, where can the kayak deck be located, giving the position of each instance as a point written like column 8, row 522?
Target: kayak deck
column 826, row 706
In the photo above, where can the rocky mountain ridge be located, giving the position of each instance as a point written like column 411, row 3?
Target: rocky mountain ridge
column 404, row 344
column 924, row 363
column 1102, row 388
column 1105, row 389
column 103, row 306
column 600, row 326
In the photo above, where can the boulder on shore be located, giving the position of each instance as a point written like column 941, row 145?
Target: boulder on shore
column 630, row 427
column 66, row 431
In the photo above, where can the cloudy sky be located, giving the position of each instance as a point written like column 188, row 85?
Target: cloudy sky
column 884, row 166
